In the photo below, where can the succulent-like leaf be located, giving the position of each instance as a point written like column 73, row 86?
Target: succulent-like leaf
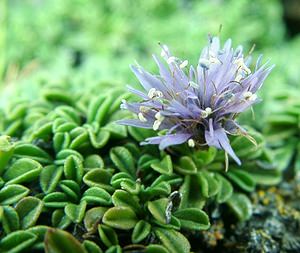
column 120, row 218
column 91, row 247
column 123, row 198
column 118, row 178
column 99, row 138
column 59, row 241
column 29, row 210
column 174, row 241
column 23, row 170
column 186, row 166
column 56, row 200
column 49, row 178
column 158, row 209
column 98, row 177
column 18, row 241
column 73, row 169
column 76, row 212
column 123, row 160
column 107, row 235
column 193, row 218
column 59, row 219
column 240, row 205
column 141, row 230
column 226, row 189
column 10, row 219
column 62, row 155
column 61, row 141
column 164, row 166
column 208, row 185
column 242, row 179
column 156, row 248
column 11, row 194
column 26, row 150
column 96, row 195
column 93, row 217
column 114, row 249
column 6, row 151
column 71, row 189
column 93, row 161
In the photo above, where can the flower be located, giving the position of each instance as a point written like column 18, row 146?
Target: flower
column 197, row 105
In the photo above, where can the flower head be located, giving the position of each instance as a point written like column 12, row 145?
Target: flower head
column 197, row 105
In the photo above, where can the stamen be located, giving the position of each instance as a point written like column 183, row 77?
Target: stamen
column 154, row 93
column 204, row 63
column 206, row 112
column 142, row 117
column 156, row 125
column 191, row 143
column 171, row 59
column 248, row 95
column 183, row 64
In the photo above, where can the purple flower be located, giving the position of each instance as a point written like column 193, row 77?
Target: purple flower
column 197, row 105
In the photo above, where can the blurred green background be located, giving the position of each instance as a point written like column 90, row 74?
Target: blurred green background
column 85, row 42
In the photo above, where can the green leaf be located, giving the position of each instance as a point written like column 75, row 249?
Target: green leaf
column 114, row 249
column 140, row 232
column 208, row 185
column 93, row 161
column 57, row 95
column 91, row 247
column 93, row 108
column 140, row 134
column 107, row 235
column 192, row 219
column 99, row 138
column 56, row 200
column 26, row 150
column 242, row 179
column 10, row 219
column 23, row 170
column 160, row 189
column 240, row 205
column 158, row 209
column 96, row 195
column 98, row 177
column 123, row 160
column 191, row 193
column 76, row 212
column 116, row 131
column 204, row 157
column 125, row 199
column 226, row 189
column 68, row 113
column 156, row 248
column 174, row 241
column 66, row 153
column 61, row 141
column 71, row 189
column 93, row 217
column 60, row 220
column 50, row 177
column 59, row 241
column 6, row 151
column 118, row 178
column 131, row 186
column 101, row 114
column 11, row 194
column 120, row 218
column 164, row 167
column 73, row 168
column 29, row 210
column 186, row 166
column 79, row 137
column 39, row 231
column 18, row 241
